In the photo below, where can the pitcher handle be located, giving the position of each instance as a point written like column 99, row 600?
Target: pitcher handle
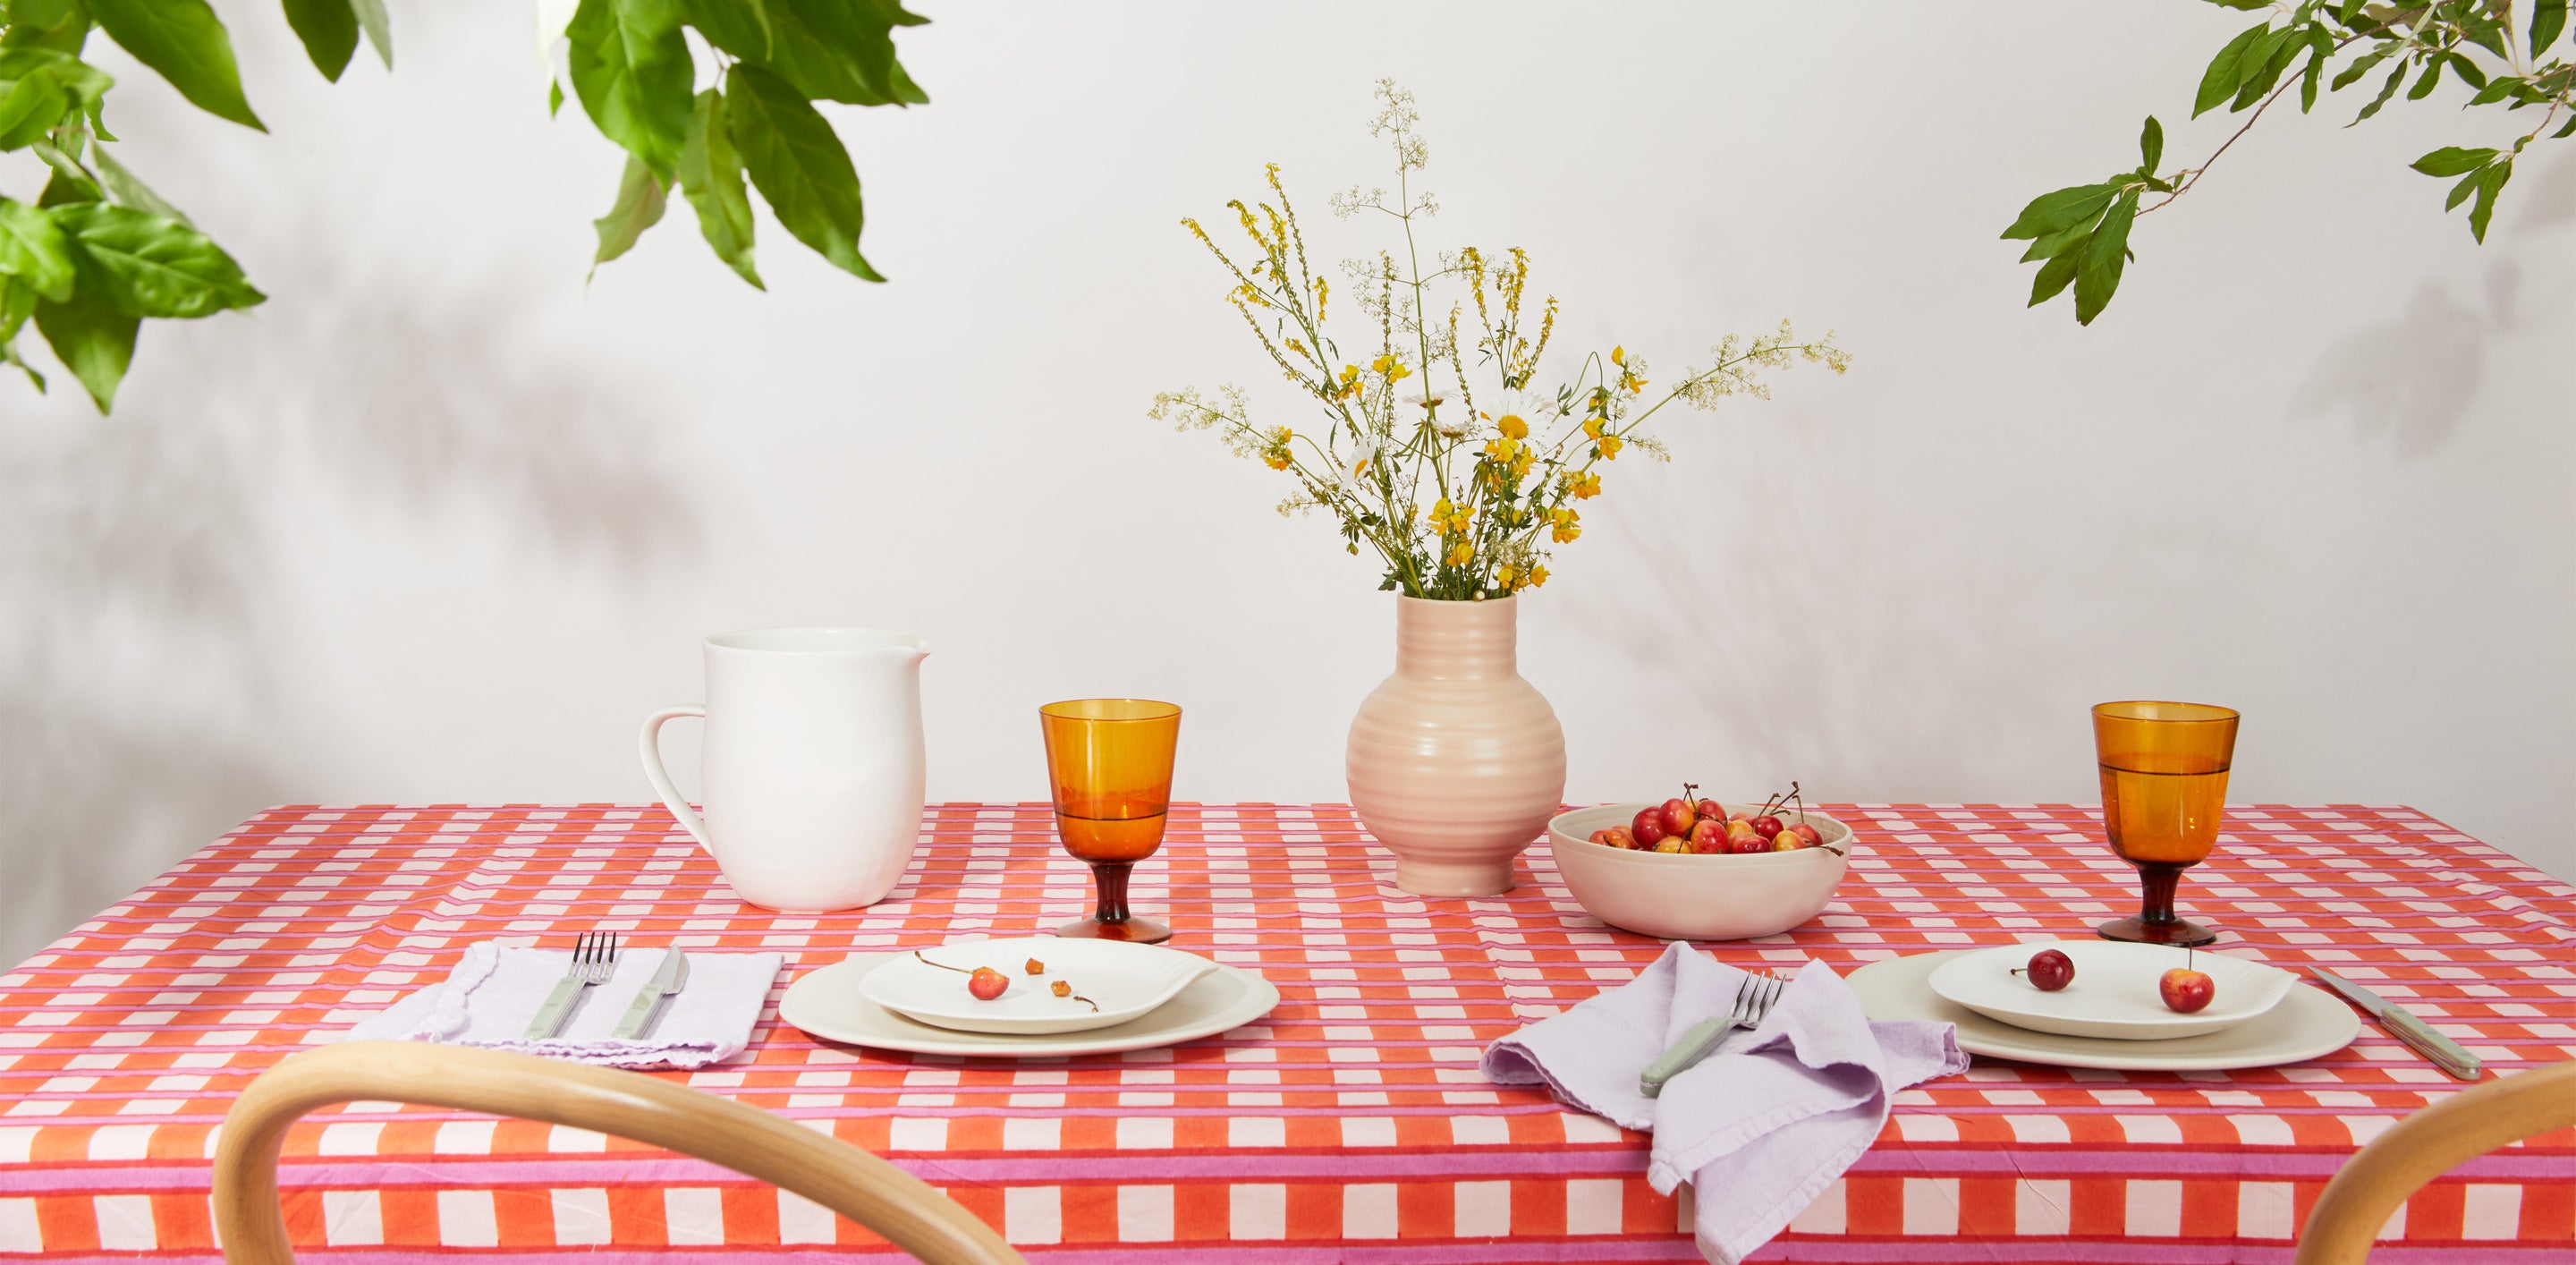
column 649, row 745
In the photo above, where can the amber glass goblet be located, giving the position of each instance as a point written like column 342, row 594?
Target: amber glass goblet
column 1109, row 761
column 2164, row 781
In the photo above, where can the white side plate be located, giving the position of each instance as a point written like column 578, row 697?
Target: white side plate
column 2308, row 1023
column 827, row 1002
column 2115, row 993
column 1125, row 980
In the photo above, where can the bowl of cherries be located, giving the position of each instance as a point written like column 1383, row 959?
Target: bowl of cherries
column 1701, row 869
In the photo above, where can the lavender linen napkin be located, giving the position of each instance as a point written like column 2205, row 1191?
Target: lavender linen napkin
column 496, row 989
column 1762, row 1126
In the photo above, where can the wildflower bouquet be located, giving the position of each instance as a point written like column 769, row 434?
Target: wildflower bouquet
column 1501, row 461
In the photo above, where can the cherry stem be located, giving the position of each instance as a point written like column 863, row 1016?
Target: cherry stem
column 1095, row 1006
column 941, row 965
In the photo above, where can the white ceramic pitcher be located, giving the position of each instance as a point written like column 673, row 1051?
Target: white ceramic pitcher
column 812, row 764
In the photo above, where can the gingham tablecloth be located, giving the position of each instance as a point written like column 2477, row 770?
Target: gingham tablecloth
column 1350, row 1125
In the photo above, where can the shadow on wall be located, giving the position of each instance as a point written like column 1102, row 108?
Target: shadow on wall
column 143, row 568
column 2414, row 378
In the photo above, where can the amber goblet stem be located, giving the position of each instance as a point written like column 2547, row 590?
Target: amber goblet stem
column 2156, row 881
column 1111, row 877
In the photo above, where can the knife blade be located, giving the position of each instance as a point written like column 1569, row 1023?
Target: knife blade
column 2401, row 1023
column 668, row 978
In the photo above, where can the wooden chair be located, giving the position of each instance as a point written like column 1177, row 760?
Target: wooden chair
column 849, row 1181
column 2425, row 1145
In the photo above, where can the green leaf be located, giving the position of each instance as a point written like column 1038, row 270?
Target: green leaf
column 68, row 184
column 2548, row 18
column 144, row 265
column 187, row 44
column 2309, row 79
column 17, row 303
column 379, row 28
column 2352, row 74
column 2220, row 81
column 60, row 25
column 831, row 50
column 2053, row 277
column 2098, row 276
column 2264, row 63
column 2057, row 211
column 2057, row 243
column 2490, row 183
column 2451, row 160
column 2386, row 90
column 2151, row 145
column 93, row 340
column 711, row 176
column 797, row 163
column 329, row 29
column 35, row 249
column 2468, row 71
column 640, row 198
column 554, row 97
column 2460, row 192
column 30, row 108
column 2432, row 75
column 630, row 67
column 124, row 187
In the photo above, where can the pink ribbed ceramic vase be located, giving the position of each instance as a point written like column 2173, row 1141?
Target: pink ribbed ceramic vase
column 1456, row 763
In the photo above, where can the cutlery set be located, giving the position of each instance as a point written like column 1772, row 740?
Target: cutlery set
column 594, row 959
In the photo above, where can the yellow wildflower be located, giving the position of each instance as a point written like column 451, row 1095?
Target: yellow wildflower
column 1275, row 455
column 1391, row 369
column 1295, row 346
column 1619, row 356
column 1521, row 463
column 1567, row 525
column 1512, row 426
column 1462, row 553
column 1584, row 486
column 1504, row 576
column 1350, row 381
column 1537, row 576
column 1502, row 450
column 1599, row 429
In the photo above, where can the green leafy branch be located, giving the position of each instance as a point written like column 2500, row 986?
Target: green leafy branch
column 97, row 252
column 2080, row 235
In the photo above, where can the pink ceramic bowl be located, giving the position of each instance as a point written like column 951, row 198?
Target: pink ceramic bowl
column 1682, row 896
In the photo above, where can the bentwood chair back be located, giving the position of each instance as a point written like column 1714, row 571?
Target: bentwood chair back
column 2425, row 1145
column 838, row 1176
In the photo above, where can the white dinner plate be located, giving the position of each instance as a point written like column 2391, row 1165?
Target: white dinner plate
column 2114, row 993
column 2308, row 1023
column 826, row 1002
column 1110, row 982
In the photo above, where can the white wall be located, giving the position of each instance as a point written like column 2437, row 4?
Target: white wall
column 439, row 523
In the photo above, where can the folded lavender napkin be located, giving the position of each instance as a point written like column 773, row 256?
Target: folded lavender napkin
column 495, row 990
column 1763, row 1125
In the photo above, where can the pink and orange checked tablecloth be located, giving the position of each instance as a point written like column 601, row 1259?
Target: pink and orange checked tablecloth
column 1349, row 1125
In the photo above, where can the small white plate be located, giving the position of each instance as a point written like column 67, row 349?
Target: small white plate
column 2308, row 1024
column 828, row 1003
column 1127, row 980
column 2114, row 994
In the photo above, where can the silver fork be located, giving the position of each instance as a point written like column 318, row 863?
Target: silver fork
column 594, row 957
column 1753, row 1001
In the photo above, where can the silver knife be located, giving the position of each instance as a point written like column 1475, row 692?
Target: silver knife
column 2402, row 1024
column 668, row 978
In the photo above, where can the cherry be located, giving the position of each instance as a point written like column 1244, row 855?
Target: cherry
column 1711, row 810
column 986, row 983
column 1649, row 826
column 2187, row 991
column 1767, row 826
column 1678, row 817
column 1708, row 837
column 2050, row 970
column 1808, row 836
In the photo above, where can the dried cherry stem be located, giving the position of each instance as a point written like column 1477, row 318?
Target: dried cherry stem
column 941, row 965
column 1801, row 803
